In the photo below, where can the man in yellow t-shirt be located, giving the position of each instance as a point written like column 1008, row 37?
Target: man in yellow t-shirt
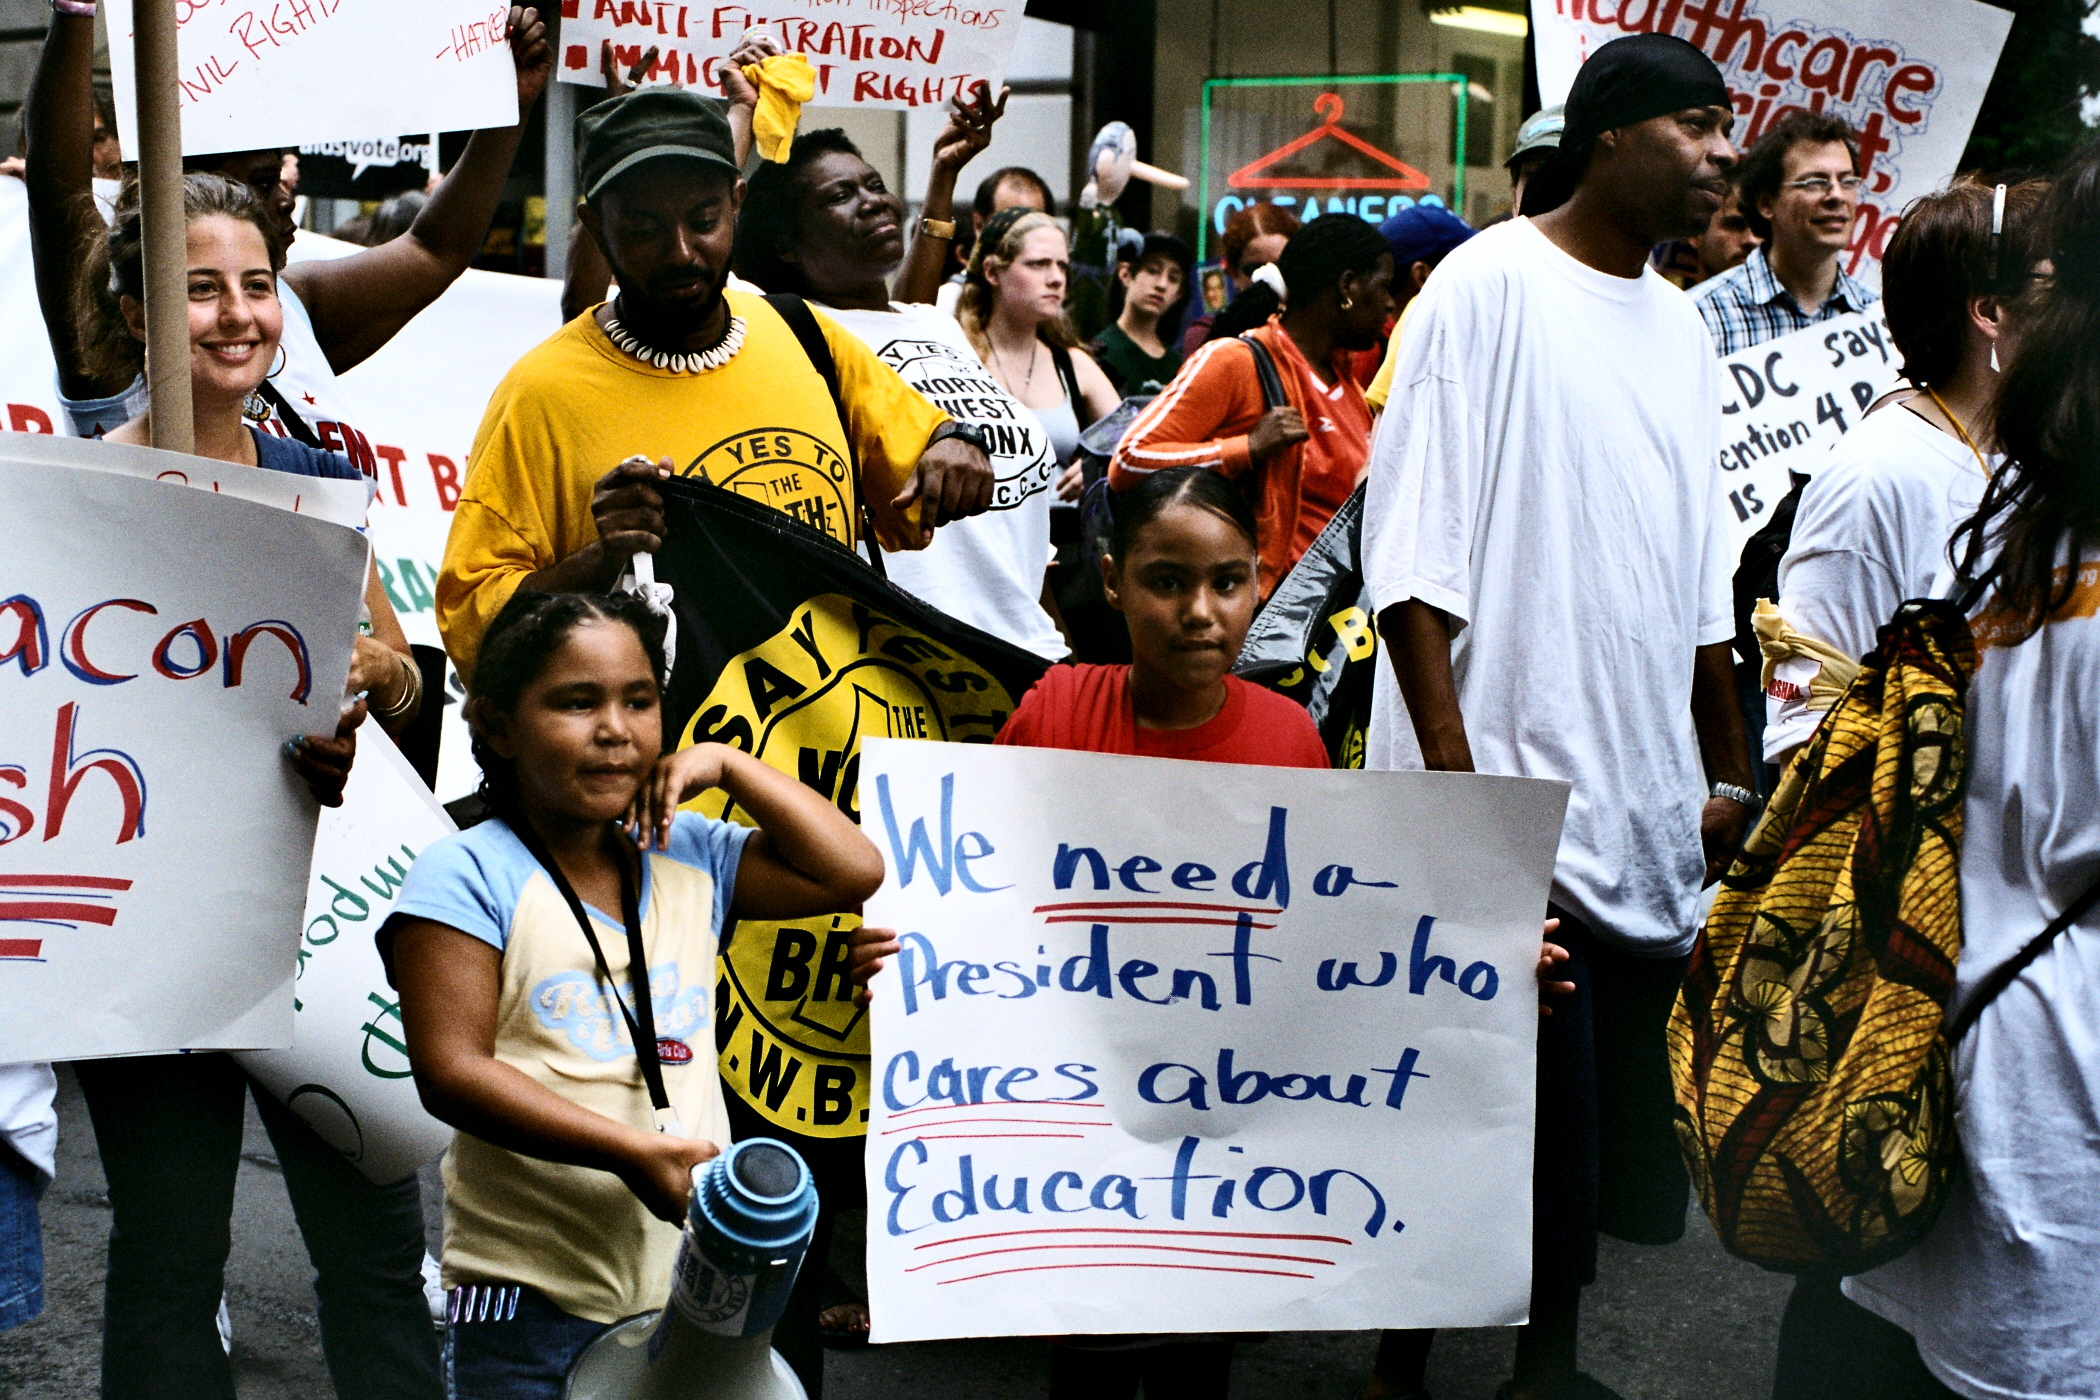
column 678, row 375
column 1419, row 237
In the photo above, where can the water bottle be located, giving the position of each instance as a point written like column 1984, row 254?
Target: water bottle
column 749, row 1221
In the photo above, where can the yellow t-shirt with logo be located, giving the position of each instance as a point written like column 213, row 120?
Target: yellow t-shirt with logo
column 763, row 425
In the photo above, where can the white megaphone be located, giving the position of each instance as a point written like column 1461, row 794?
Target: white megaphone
column 752, row 1213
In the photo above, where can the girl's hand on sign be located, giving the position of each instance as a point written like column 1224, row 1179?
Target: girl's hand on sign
column 618, row 84
column 1551, row 955
column 678, row 779
column 969, row 128
column 661, row 1173
column 324, row 761
column 531, row 54
column 871, row 947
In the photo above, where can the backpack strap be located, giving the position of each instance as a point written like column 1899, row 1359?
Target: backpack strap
column 1272, row 395
column 1062, row 359
column 795, row 311
column 2007, row 972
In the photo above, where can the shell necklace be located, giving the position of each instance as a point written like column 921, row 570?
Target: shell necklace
column 694, row 362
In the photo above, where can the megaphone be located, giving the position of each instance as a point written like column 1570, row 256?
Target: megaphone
column 752, row 1213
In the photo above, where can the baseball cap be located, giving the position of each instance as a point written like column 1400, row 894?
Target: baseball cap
column 645, row 124
column 1422, row 233
column 1540, row 132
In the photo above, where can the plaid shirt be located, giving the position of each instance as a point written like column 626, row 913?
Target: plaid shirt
column 1746, row 306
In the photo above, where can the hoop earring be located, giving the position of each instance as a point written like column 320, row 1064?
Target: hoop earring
column 281, row 359
column 1347, row 301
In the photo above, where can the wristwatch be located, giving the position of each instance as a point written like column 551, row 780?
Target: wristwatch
column 938, row 228
column 968, row 432
column 1741, row 796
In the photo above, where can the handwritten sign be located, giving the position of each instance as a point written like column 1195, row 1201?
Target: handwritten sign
column 867, row 53
column 28, row 377
column 1181, row 1047
column 1909, row 78
column 153, row 839
column 1789, row 399
column 258, row 74
column 347, row 1070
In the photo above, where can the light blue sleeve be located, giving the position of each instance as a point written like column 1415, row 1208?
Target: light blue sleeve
column 714, row 846
column 470, row 881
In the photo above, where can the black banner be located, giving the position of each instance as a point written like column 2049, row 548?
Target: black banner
column 792, row 649
column 1316, row 638
column 370, row 169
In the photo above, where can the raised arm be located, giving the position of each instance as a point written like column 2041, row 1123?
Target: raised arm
column 969, row 131
column 59, row 126
column 360, row 302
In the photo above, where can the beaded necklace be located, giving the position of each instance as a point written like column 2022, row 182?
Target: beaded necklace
column 692, row 362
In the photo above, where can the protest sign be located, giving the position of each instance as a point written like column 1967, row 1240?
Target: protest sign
column 1909, row 78
column 256, row 74
column 28, row 378
column 1787, row 400
column 867, row 53
column 347, row 1071
column 158, row 646
column 1262, row 1036
column 793, row 650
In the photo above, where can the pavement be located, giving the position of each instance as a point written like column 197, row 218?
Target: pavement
column 1686, row 1322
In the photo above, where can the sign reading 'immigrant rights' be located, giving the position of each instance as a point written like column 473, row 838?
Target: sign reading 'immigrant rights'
column 1185, row 1047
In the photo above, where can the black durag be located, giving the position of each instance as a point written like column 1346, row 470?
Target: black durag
column 1626, row 81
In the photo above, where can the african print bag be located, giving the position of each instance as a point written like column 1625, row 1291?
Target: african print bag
column 1815, row 1102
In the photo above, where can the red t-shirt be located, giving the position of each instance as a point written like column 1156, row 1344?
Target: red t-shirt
column 1088, row 708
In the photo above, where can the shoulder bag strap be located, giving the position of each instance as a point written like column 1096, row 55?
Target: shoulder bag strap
column 2008, row 971
column 293, row 423
column 1272, row 395
column 1062, row 359
column 795, row 311
column 641, row 1018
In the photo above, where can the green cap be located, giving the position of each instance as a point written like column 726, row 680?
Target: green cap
column 1540, row 132
column 645, row 124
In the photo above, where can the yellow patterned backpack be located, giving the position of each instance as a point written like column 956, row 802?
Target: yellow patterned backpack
column 1813, row 1090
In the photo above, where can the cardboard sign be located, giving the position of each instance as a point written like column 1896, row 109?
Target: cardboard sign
column 1909, row 78
column 1789, row 399
column 257, row 74
column 347, row 1070
column 28, row 377
column 158, row 646
column 1185, row 1047
column 867, row 53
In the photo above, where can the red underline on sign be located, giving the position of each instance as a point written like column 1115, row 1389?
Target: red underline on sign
column 1130, row 919
column 952, row 1107
column 943, row 1137
column 1160, row 1248
column 84, row 882
column 1130, row 1264
column 1132, row 1230
column 1152, row 904
column 55, row 909
column 951, row 1122
column 21, row 948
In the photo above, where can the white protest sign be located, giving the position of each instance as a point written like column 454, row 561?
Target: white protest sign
column 417, row 404
column 1786, row 401
column 256, row 74
column 1909, row 78
column 1184, row 1047
column 867, row 53
column 158, row 646
column 347, row 1071
column 28, row 378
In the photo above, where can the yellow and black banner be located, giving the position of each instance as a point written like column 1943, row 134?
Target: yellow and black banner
column 792, row 649
column 1315, row 638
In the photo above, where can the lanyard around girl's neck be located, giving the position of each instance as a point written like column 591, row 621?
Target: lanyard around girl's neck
column 641, row 1021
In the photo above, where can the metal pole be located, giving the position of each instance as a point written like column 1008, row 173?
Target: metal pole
column 561, row 175
column 166, row 239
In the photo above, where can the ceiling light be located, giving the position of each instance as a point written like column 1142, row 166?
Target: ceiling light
column 1479, row 17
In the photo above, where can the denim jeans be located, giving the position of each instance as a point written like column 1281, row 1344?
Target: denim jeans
column 169, row 1131
column 524, row 1356
column 21, row 1242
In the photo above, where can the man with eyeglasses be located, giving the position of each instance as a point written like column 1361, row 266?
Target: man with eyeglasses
column 1800, row 192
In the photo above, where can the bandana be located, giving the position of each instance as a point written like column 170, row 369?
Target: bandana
column 1628, row 80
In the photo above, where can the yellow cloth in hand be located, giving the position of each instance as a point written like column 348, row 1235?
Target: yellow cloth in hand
column 784, row 81
column 1778, row 641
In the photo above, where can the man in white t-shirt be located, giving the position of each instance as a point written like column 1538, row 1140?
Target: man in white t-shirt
column 822, row 225
column 1544, row 538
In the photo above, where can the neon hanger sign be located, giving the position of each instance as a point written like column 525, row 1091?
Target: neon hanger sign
column 1329, row 106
